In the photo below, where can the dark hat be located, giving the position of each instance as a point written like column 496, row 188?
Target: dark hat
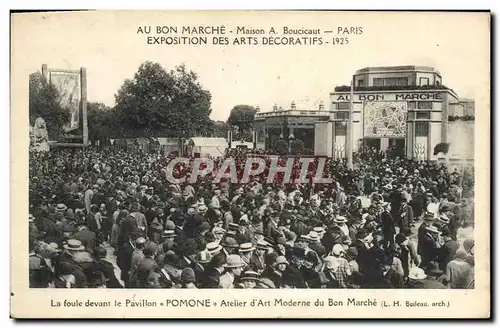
column 400, row 238
column 299, row 252
column 171, row 258
column 190, row 247
column 229, row 242
column 96, row 278
column 209, row 237
column 204, row 226
column 187, row 275
column 218, row 260
column 445, row 231
column 362, row 233
column 432, row 268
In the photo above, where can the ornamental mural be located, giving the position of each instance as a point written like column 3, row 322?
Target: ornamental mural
column 385, row 119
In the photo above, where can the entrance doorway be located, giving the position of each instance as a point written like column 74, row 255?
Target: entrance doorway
column 397, row 145
column 372, row 143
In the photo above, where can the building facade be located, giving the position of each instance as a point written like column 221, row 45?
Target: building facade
column 403, row 108
column 406, row 108
column 299, row 123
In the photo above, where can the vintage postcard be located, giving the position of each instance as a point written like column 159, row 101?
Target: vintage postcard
column 229, row 152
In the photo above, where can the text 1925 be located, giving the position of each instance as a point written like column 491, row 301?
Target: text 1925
column 340, row 41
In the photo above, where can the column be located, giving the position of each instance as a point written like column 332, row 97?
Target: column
column 85, row 130
column 384, row 144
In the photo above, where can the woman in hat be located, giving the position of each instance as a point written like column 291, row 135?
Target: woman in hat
column 188, row 279
column 250, row 279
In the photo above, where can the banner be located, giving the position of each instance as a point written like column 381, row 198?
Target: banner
column 384, row 119
column 69, row 88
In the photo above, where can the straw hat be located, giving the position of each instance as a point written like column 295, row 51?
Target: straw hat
column 250, row 275
column 213, row 248
column 340, row 219
column 74, row 245
column 417, row 274
column 246, row 247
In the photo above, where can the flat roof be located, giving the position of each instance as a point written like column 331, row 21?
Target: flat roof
column 397, row 68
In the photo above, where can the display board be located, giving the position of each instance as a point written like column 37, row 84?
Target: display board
column 69, row 88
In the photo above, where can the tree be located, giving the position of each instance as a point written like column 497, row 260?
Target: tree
column 156, row 102
column 102, row 122
column 242, row 116
column 44, row 102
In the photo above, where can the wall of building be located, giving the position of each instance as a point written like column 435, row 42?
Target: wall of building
column 461, row 139
column 323, row 139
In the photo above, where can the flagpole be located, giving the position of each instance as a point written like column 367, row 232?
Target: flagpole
column 349, row 145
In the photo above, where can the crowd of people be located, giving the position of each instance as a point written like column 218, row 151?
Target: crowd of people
column 110, row 219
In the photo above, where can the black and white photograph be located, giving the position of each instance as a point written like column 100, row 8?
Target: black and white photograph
column 253, row 150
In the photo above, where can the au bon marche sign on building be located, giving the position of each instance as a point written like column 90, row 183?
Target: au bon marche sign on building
column 395, row 96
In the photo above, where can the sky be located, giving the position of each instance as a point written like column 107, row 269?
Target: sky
column 107, row 44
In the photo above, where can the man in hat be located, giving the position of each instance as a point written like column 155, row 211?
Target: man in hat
column 429, row 219
column 74, row 256
column 257, row 259
column 106, row 267
column 315, row 245
column 408, row 253
column 292, row 277
column 230, row 245
column 363, row 243
column 137, row 256
column 430, row 246
column 213, row 272
column 388, row 225
column 146, row 264
column 233, row 269
column 246, row 253
column 448, row 249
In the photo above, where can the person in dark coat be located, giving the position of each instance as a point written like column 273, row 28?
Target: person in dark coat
column 214, row 271
column 430, row 246
column 447, row 250
column 429, row 218
column 388, row 227
column 408, row 253
column 107, row 268
column 292, row 277
column 124, row 260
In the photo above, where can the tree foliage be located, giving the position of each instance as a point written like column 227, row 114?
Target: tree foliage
column 102, row 122
column 157, row 102
column 242, row 116
column 44, row 102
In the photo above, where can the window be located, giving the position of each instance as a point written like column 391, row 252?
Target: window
column 424, row 81
column 343, row 106
column 342, row 115
column 421, row 129
column 340, row 129
column 377, row 82
column 390, row 82
column 361, row 83
column 423, row 115
column 424, row 105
